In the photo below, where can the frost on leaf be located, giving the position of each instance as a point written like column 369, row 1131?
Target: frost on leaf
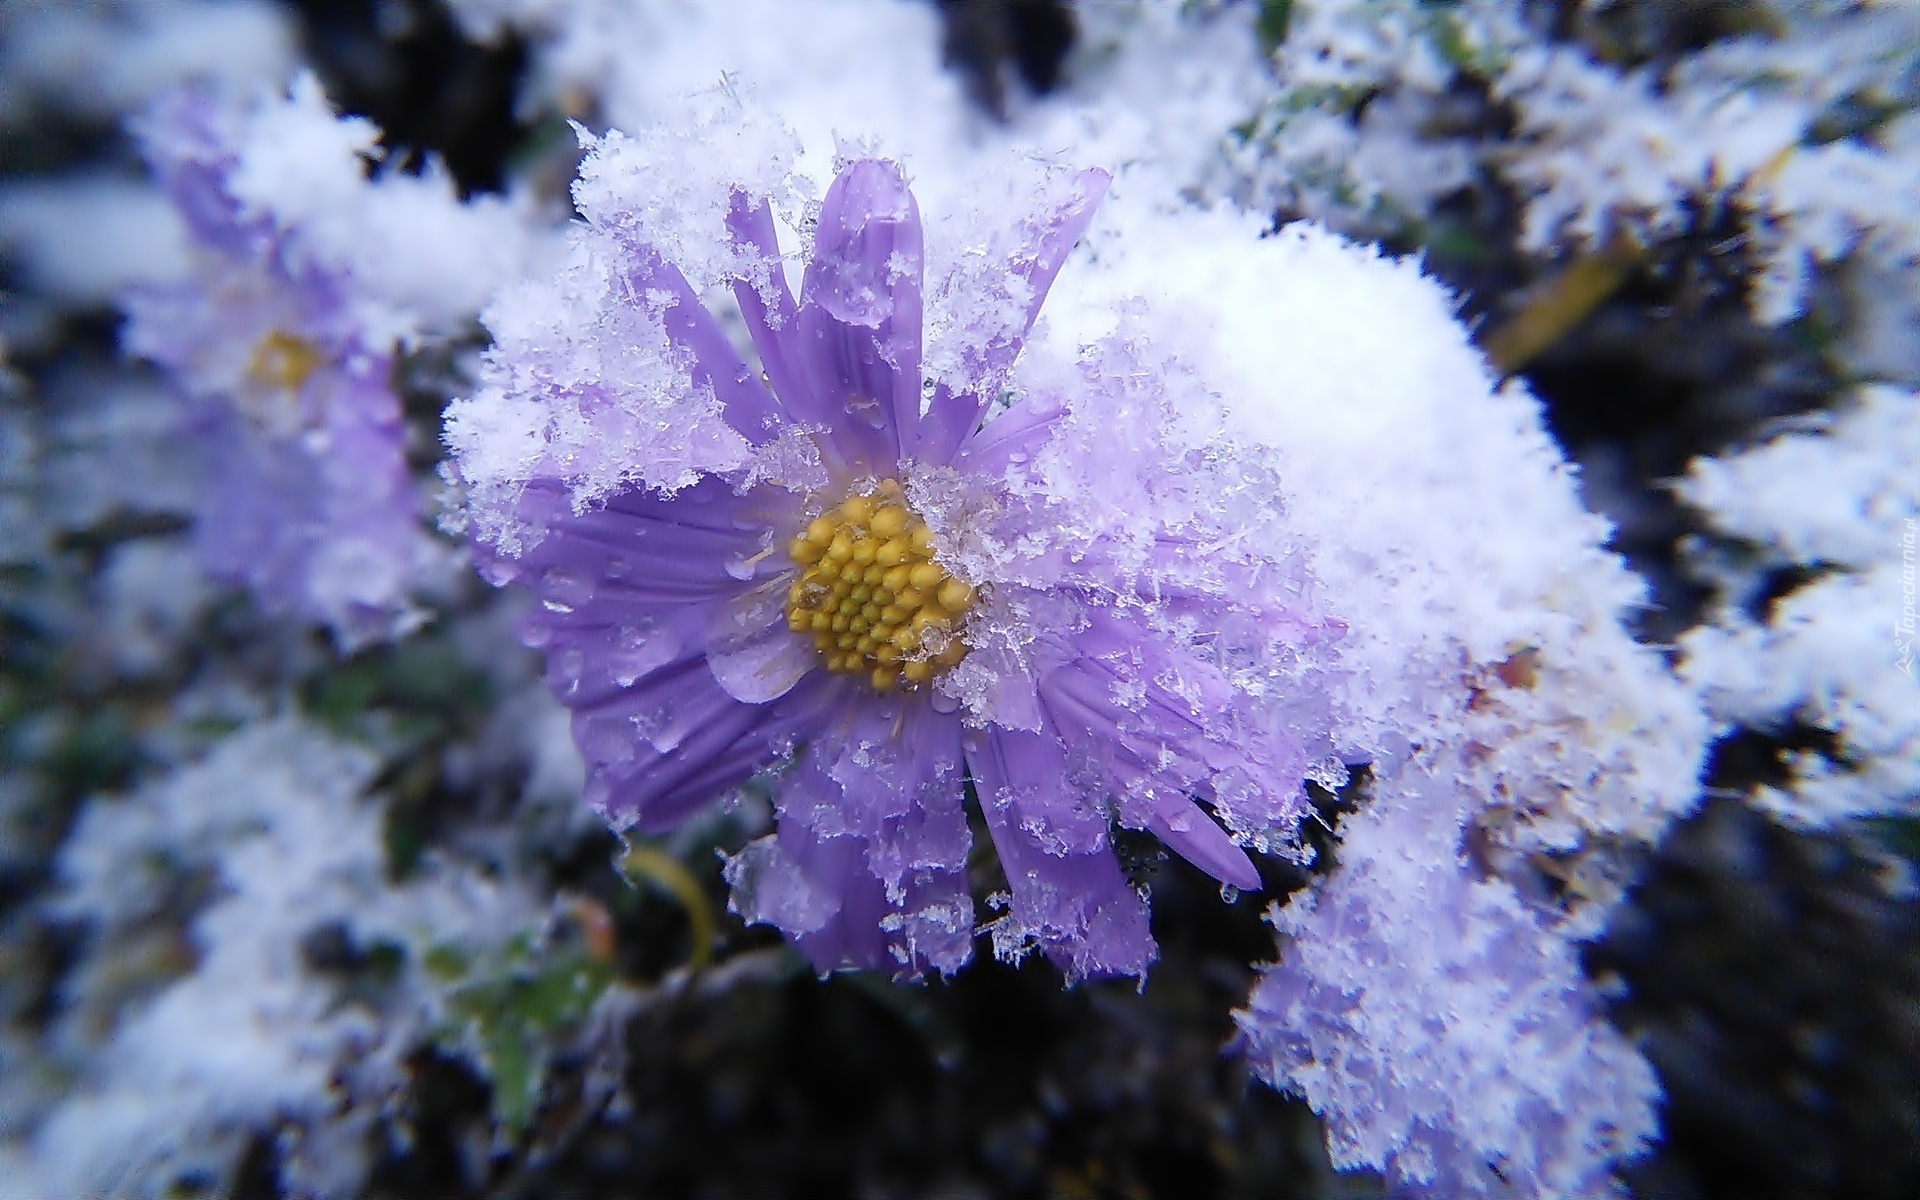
column 1841, row 503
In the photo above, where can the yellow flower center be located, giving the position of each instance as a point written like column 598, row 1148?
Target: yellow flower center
column 871, row 596
column 283, row 361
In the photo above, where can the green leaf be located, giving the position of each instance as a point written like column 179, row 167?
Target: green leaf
column 512, row 1020
column 446, row 963
column 513, row 1064
column 1271, row 25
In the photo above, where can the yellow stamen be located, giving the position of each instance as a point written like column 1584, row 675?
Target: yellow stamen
column 871, row 596
column 283, row 361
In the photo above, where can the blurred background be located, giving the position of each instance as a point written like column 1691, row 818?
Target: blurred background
column 618, row 1031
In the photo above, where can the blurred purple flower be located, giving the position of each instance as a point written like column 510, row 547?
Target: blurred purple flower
column 834, row 639
column 307, row 500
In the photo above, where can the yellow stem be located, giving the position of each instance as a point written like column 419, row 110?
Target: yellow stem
column 649, row 864
column 1560, row 304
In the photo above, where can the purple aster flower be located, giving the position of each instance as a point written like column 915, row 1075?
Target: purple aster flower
column 878, row 589
column 308, row 502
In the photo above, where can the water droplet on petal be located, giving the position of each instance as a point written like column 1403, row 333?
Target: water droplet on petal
column 1228, row 893
column 606, row 739
column 741, row 565
column 564, row 591
column 641, row 649
column 570, row 663
column 660, row 729
column 866, row 410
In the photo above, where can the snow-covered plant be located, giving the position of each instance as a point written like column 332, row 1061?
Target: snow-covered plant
column 1833, row 511
column 1514, row 733
column 1156, row 86
column 1357, row 132
column 180, row 1055
column 1437, row 1019
column 125, row 52
column 1801, row 123
column 1443, row 528
column 1804, row 127
column 308, row 278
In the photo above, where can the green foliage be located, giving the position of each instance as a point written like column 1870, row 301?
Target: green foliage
column 1449, row 37
column 1271, row 25
column 96, row 752
column 508, row 1014
column 1899, row 835
column 427, row 689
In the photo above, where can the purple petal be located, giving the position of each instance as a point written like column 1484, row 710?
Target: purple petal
column 950, row 418
column 259, row 490
column 929, row 833
column 192, row 157
column 671, row 726
column 751, row 651
column 772, row 881
column 691, row 742
column 850, row 936
column 1069, row 895
column 859, row 319
column 886, row 778
column 329, row 537
column 1192, row 835
column 771, row 316
column 750, row 408
column 1045, row 240
column 630, row 594
column 1013, row 437
column 638, row 551
column 1152, row 751
column 1165, row 724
